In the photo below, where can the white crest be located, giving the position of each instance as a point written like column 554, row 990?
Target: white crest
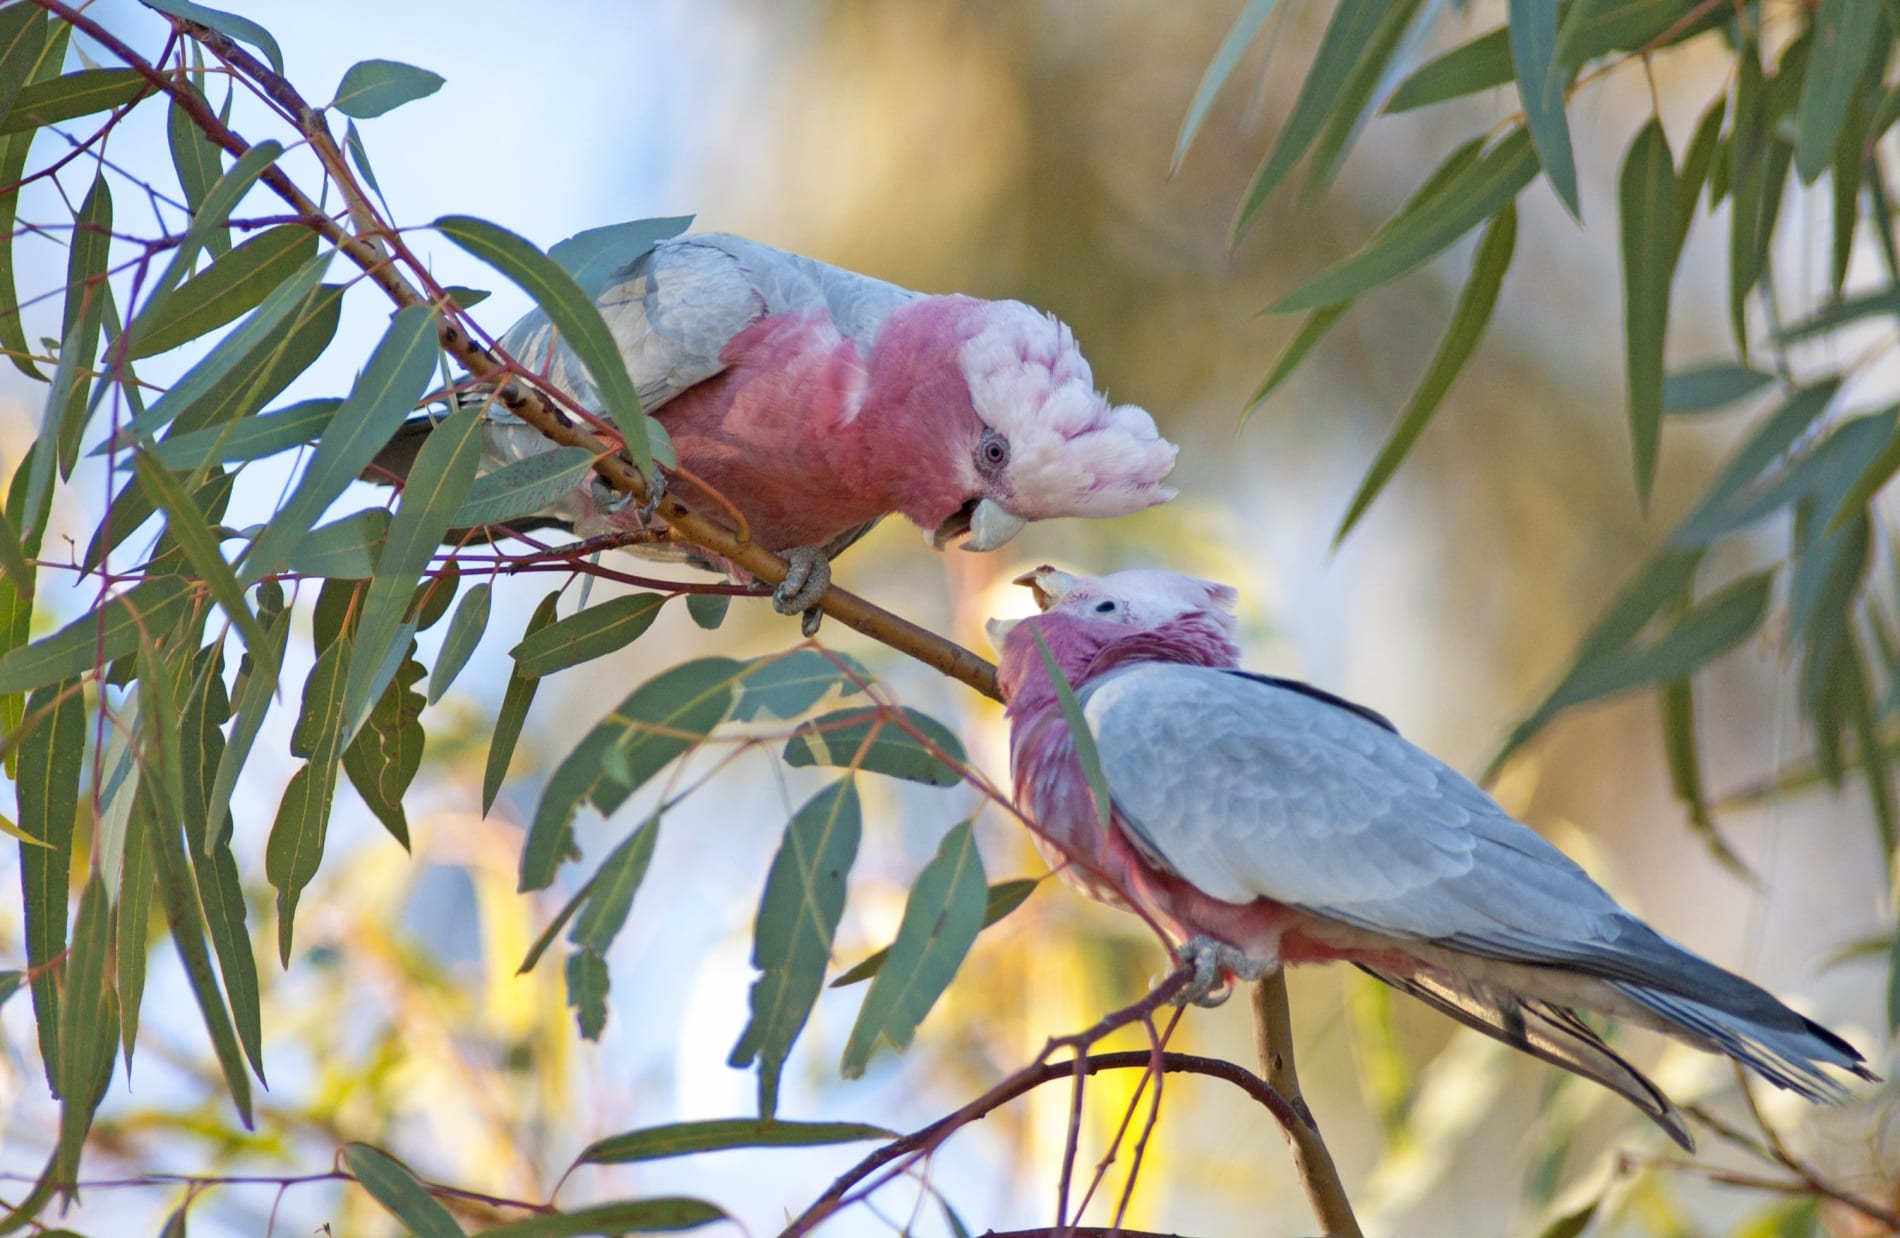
column 1072, row 453
column 1148, row 598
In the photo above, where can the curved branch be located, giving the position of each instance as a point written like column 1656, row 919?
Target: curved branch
column 378, row 253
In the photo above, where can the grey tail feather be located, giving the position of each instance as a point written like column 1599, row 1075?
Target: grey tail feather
column 1780, row 1045
column 1544, row 1030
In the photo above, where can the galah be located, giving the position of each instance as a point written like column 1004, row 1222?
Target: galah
column 1263, row 822
column 816, row 401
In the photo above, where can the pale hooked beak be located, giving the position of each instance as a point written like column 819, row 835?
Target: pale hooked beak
column 998, row 631
column 1049, row 584
column 992, row 525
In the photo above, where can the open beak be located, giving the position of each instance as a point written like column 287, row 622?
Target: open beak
column 1049, row 584
column 988, row 523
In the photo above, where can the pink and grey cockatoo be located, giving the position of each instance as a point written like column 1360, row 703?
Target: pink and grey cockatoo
column 1261, row 822
column 816, row 401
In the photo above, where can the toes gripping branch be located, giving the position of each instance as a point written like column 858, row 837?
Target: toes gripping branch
column 1214, row 963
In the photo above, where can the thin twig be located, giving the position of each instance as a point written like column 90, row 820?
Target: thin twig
column 1273, row 1037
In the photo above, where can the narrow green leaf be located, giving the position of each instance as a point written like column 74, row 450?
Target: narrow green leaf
column 381, row 398
column 243, row 29
column 1685, row 771
column 22, row 40
column 1593, row 28
column 1540, row 87
column 786, row 685
column 243, row 356
column 515, row 699
column 359, row 156
column 345, row 548
column 1870, row 305
column 1360, row 95
column 438, row 481
column 658, row 721
column 295, row 849
column 525, row 487
column 1352, row 26
column 72, row 96
column 371, row 87
column 1468, row 321
column 39, row 465
column 161, row 757
column 1239, row 38
column 708, row 610
column 88, row 1030
column 1079, row 734
column 210, row 217
column 596, row 255
column 1841, row 34
column 233, row 285
column 96, row 639
column 1712, row 386
column 574, row 316
column 688, row 1138
column 941, row 920
column 397, row 1189
column 254, row 693
column 1482, row 64
column 1475, row 193
column 252, row 438
column 52, row 753
column 1711, row 628
column 86, row 296
column 199, row 163
column 798, row 914
column 1003, row 898
column 200, row 544
column 868, row 739
column 1698, row 162
column 1648, row 200
column 220, row 894
column 1661, row 581
column 588, row 634
column 383, row 758
column 614, row 886
column 27, row 53
column 14, row 567
column 464, row 634
column 665, row 1214
column 178, row 892
column 1824, row 474
column 587, row 983
column 1844, row 181
column 1314, row 329
column 1572, row 1224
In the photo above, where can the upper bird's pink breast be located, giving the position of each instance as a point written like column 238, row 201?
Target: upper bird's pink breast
column 772, row 434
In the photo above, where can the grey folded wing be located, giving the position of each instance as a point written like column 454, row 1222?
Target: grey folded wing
column 673, row 309
column 1251, row 789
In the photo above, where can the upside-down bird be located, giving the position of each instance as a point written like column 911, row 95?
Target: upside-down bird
column 815, row 401
column 1261, row 822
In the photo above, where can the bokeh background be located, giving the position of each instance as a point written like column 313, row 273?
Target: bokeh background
column 1010, row 148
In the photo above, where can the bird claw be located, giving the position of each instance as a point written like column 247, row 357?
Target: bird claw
column 656, row 493
column 1214, row 963
column 807, row 576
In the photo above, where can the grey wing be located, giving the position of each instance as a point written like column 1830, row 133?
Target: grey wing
column 1250, row 790
column 673, row 310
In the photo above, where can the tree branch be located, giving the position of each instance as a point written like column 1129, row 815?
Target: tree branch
column 1273, row 1038
column 379, row 252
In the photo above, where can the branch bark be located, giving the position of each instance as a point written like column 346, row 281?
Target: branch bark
column 1273, row 1039
column 380, row 253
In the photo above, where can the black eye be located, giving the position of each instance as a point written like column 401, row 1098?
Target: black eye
column 992, row 452
column 1104, row 608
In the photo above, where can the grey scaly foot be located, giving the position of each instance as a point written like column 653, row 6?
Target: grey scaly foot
column 656, row 492
column 807, row 576
column 1213, row 961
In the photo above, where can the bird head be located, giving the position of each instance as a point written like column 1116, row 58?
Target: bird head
column 1104, row 609
column 1044, row 443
